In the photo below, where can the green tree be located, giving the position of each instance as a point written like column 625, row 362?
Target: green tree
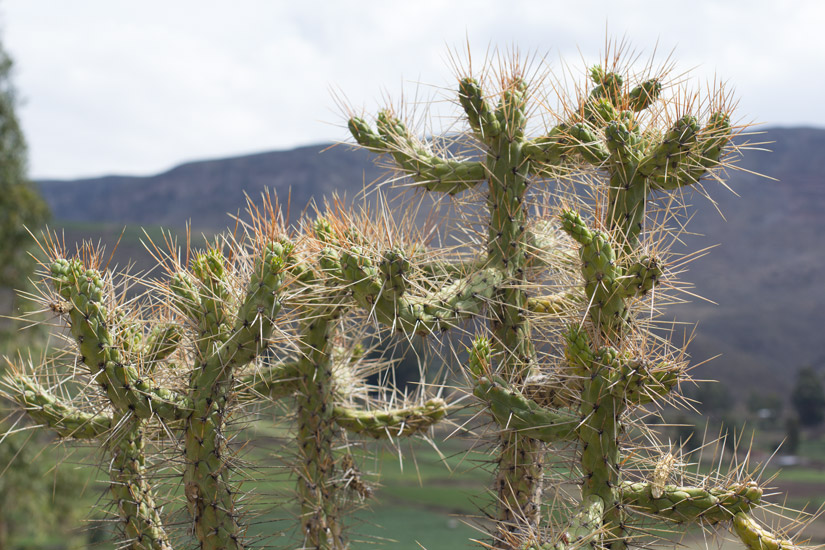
column 21, row 206
column 792, row 436
column 808, row 397
column 32, row 503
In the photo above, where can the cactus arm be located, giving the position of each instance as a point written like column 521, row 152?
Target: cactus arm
column 139, row 516
column 276, row 382
column 382, row 292
column 59, row 416
column 607, row 285
column 480, row 114
column 430, row 171
column 640, row 277
column 585, row 525
column 602, row 276
column 755, row 537
column 638, row 384
column 202, row 296
column 553, row 304
column 691, row 504
column 704, row 155
column 125, row 388
column 512, row 411
column 390, row 423
column 672, row 150
column 644, row 95
column 519, row 468
column 162, row 342
column 208, row 488
column 574, row 140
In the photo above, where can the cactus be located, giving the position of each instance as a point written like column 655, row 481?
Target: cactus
column 563, row 363
column 638, row 151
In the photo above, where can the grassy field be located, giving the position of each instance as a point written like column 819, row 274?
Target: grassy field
column 428, row 499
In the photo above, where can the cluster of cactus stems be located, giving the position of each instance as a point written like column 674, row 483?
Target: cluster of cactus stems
column 264, row 318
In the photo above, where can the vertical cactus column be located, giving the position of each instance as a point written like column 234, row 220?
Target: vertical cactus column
column 510, row 161
column 321, row 521
column 615, row 272
column 322, row 382
column 226, row 341
column 108, row 354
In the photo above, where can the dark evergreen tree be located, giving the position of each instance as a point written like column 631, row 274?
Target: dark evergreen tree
column 808, row 397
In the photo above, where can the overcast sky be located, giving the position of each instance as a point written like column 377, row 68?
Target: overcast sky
column 138, row 87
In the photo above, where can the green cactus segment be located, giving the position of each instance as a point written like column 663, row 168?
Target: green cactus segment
column 511, row 111
column 125, row 388
column 755, row 537
column 585, row 525
column 586, row 143
column 254, row 320
column 641, row 277
column 480, row 114
column 139, row 516
column 704, row 155
column 276, row 382
column 608, row 85
column 512, row 411
column 638, row 384
column 578, row 351
column 519, row 468
column 59, row 416
column 163, row 341
column 321, row 524
column 600, row 460
column 479, row 357
column 644, row 95
column 431, row 171
column 207, row 482
column 554, row 304
column 563, row 142
column 691, row 504
column 607, row 285
column 380, row 290
column 602, row 276
column 390, row 423
column 207, row 478
column 674, row 147
column 211, row 317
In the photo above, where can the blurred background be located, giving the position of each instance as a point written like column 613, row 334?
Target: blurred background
column 121, row 116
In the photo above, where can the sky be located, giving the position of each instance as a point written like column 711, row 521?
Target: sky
column 139, row 87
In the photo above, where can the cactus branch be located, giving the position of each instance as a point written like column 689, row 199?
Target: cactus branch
column 755, row 537
column 391, row 423
column 56, row 414
column 691, row 504
column 430, row 171
column 83, row 288
column 512, row 411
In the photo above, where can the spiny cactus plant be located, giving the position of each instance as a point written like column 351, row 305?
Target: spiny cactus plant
column 561, row 265
column 643, row 150
column 179, row 360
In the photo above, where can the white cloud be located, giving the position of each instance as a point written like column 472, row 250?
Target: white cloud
column 139, row 87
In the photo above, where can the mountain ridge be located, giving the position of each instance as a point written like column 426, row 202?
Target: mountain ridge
column 763, row 274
